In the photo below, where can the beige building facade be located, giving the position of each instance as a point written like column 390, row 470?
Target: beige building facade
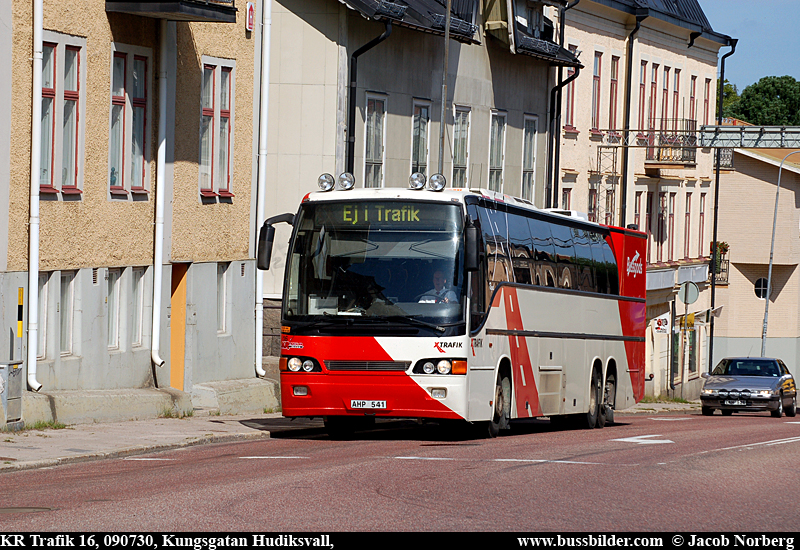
column 652, row 72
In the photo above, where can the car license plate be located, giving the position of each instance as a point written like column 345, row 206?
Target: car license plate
column 367, row 404
column 736, row 403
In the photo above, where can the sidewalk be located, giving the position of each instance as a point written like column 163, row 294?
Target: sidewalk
column 29, row 449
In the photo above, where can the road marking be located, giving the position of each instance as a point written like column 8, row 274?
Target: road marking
column 643, row 440
column 768, row 443
column 522, row 460
column 289, row 457
column 669, row 419
column 543, row 460
column 421, row 458
column 157, row 459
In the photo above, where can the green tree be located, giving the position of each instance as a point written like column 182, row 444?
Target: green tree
column 772, row 101
column 730, row 98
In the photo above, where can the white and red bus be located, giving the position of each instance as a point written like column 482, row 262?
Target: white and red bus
column 456, row 304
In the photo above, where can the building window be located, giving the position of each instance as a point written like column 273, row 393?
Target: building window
column 569, row 97
column 566, row 198
column 216, row 128
column 761, row 288
column 702, row 224
column 41, row 335
column 528, row 157
column 671, row 234
column 706, row 106
column 651, row 115
column 497, row 144
column 592, row 205
column 374, row 136
column 613, row 92
column 419, row 138
column 222, row 295
column 642, row 94
column 460, row 147
column 637, row 210
column 62, row 124
column 138, row 305
column 65, row 308
column 112, row 311
column 129, row 127
column 665, row 99
column 648, row 222
column 598, row 63
column 662, row 226
column 687, row 225
column 609, row 216
column 693, row 98
column 676, row 87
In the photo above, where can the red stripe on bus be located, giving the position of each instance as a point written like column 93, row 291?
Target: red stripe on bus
column 527, row 396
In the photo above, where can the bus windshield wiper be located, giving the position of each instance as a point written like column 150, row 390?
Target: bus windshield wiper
column 412, row 321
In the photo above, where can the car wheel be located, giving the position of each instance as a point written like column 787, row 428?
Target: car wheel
column 726, row 412
column 791, row 410
column 777, row 413
column 502, row 407
column 707, row 411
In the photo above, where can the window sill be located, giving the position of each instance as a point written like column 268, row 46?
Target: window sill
column 48, row 189
column 118, row 191
column 140, row 191
column 207, row 193
column 71, row 191
column 571, row 130
column 226, row 194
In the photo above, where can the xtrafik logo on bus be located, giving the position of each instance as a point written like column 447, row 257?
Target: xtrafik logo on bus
column 635, row 265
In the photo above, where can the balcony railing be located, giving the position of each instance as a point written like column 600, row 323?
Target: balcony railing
column 671, row 140
column 720, row 274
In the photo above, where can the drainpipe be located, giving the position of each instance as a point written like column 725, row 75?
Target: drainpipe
column 628, row 95
column 554, row 134
column 161, row 169
column 266, row 29
column 351, row 110
column 555, row 137
column 36, row 151
column 732, row 43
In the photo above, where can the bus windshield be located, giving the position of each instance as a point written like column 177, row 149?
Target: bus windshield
column 377, row 260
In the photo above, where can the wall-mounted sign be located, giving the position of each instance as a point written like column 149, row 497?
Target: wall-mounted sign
column 250, row 20
column 661, row 324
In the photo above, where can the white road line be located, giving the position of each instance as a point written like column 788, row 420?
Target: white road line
column 669, row 419
column 517, row 460
column 159, row 459
column 268, row 457
column 542, row 460
column 421, row 458
column 644, row 440
column 768, row 443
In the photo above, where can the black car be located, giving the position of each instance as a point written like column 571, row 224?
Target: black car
column 749, row 384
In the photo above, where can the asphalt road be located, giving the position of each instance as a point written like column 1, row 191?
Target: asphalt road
column 669, row 472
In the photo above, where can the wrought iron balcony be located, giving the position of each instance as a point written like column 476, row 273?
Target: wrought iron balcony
column 670, row 141
column 212, row 11
column 720, row 274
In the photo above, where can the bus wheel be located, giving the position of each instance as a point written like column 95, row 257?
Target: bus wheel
column 606, row 411
column 502, row 407
column 595, row 399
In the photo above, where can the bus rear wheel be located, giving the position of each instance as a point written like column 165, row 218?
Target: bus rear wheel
column 590, row 419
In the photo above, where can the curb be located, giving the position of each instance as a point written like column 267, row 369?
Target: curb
column 131, row 451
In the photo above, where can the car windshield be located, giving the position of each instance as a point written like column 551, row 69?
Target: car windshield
column 377, row 262
column 747, row 367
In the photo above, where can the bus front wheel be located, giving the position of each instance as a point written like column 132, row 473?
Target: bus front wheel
column 595, row 400
column 502, row 407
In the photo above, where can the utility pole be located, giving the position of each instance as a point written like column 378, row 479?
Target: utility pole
column 444, row 86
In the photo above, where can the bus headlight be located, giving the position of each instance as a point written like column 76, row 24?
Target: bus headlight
column 295, row 364
column 437, row 182
column 417, row 180
column 428, row 368
column 346, row 181
column 326, row 182
column 308, row 365
column 443, row 366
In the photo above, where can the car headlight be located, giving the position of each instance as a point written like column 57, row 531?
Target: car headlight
column 764, row 393
column 709, row 392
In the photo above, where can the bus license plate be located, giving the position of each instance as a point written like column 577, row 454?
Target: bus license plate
column 735, row 403
column 367, row 404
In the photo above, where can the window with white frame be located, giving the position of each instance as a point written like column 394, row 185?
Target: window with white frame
column 112, row 309
column 528, row 156
column 460, row 146
column 65, row 309
column 497, row 145
column 598, row 63
column 222, row 295
column 216, row 127
column 420, row 137
column 128, row 155
column 137, row 284
column 374, row 133
column 62, row 122
column 41, row 335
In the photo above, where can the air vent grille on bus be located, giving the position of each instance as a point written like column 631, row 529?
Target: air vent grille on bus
column 368, row 365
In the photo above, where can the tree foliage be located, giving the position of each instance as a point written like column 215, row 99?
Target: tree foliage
column 772, row 101
column 730, row 98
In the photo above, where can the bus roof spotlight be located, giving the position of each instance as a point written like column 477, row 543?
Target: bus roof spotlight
column 437, row 182
column 326, row 182
column 416, row 181
column 346, row 181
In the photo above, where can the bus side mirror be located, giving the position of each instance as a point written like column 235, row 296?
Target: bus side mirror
column 471, row 238
column 266, row 236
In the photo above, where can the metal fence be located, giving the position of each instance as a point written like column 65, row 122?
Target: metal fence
column 671, row 140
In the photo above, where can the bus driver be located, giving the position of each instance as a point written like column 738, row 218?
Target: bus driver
column 440, row 293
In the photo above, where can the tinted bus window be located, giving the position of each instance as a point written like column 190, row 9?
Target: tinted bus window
column 565, row 252
column 544, row 253
column 519, row 238
column 584, row 265
column 600, row 267
column 495, row 238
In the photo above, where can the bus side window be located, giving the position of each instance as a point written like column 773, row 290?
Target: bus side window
column 495, row 237
column 565, row 255
column 543, row 253
column 519, row 237
column 584, row 261
column 477, row 289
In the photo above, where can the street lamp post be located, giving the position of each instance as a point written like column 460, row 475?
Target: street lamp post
column 771, row 251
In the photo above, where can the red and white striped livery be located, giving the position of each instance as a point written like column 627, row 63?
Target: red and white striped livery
column 459, row 304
